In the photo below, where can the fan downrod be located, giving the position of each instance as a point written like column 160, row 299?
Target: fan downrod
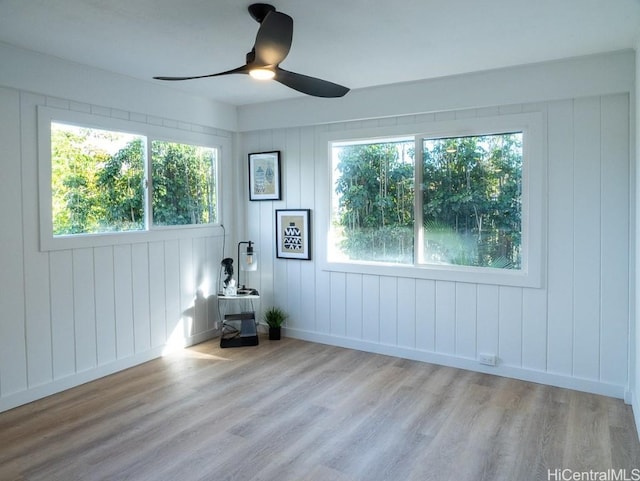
column 260, row 10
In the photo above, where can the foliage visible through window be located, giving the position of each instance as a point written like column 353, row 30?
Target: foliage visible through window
column 98, row 181
column 472, row 201
column 470, row 214
column 374, row 187
column 184, row 188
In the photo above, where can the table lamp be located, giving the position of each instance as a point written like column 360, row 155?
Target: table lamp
column 248, row 262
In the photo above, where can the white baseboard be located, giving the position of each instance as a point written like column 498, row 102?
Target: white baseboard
column 38, row 392
column 541, row 377
column 558, row 380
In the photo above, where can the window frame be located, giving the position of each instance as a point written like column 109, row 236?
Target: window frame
column 49, row 242
column 531, row 274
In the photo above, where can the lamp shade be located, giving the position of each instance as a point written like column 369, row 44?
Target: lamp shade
column 248, row 259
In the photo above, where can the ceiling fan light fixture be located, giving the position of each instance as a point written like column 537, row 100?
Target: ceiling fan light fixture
column 262, row 73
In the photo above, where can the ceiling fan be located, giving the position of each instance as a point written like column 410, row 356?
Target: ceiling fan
column 272, row 45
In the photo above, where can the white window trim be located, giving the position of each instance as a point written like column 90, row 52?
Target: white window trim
column 534, row 200
column 49, row 242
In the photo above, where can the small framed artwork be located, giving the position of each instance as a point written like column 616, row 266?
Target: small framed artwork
column 293, row 234
column 264, row 176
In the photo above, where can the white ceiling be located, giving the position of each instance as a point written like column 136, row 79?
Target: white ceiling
column 356, row 43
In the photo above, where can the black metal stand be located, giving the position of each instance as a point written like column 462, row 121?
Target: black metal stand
column 239, row 330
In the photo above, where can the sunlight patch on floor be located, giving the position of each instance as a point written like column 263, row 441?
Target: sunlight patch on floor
column 191, row 354
column 176, row 345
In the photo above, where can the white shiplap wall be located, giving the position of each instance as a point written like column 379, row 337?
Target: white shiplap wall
column 573, row 332
column 69, row 316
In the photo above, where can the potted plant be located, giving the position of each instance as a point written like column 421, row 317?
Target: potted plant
column 275, row 317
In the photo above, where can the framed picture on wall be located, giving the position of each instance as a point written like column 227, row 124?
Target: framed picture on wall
column 293, row 234
column 264, row 176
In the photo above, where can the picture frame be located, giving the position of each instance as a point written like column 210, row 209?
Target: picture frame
column 264, row 175
column 293, row 234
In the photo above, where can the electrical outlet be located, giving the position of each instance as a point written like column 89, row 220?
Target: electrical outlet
column 487, row 359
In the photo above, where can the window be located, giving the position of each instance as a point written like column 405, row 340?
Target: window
column 184, row 184
column 471, row 201
column 102, row 176
column 469, row 209
column 96, row 180
column 373, row 215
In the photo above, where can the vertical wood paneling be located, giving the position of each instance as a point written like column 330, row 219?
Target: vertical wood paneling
column 279, row 270
column 319, row 173
column 586, row 229
column 561, row 242
column 123, row 300
column 323, row 302
column 187, row 286
column 307, row 196
column 445, row 317
column 267, row 256
column 292, row 159
column 291, row 165
column 214, row 257
column 172, row 287
column 406, row 312
column 425, row 314
column 615, row 240
column 510, row 325
column 63, row 332
column 13, row 352
column 105, row 305
column 37, row 303
column 388, row 310
column 37, row 308
column 354, row 301
column 294, row 293
column 534, row 329
column 84, row 309
column 338, row 310
column 466, row 312
column 487, row 318
column 308, row 300
column 201, row 284
column 75, row 309
column 157, row 295
column 140, row 286
column 370, row 308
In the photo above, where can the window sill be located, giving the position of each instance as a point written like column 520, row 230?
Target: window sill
column 81, row 241
column 531, row 278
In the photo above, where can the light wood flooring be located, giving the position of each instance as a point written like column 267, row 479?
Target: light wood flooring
column 293, row 410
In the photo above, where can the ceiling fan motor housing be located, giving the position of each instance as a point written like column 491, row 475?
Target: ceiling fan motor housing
column 260, row 10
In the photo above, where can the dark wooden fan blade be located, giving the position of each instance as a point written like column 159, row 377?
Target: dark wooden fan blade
column 243, row 69
column 310, row 85
column 273, row 40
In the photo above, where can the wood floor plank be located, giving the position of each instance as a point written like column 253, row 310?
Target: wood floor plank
column 587, row 446
column 299, row 411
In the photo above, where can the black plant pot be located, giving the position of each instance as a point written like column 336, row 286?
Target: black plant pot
column 274, row 333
